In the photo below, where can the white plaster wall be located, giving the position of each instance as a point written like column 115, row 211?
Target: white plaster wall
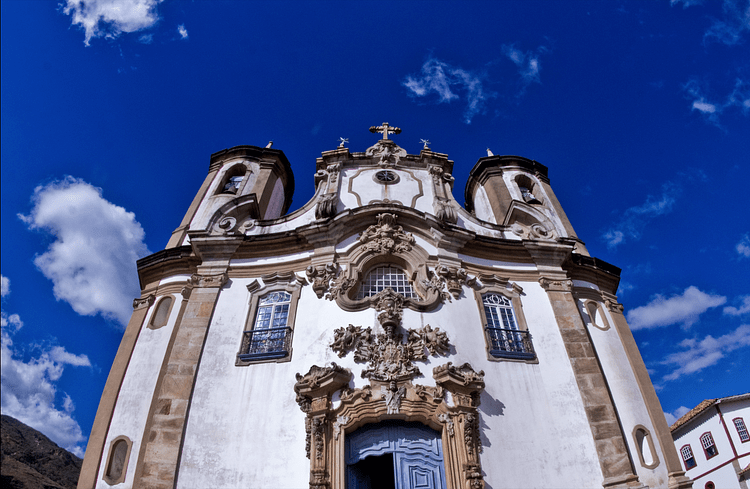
column 246, row 430
column 134, row 400
column 626, row 393
column 482, row 207
column 404, row 190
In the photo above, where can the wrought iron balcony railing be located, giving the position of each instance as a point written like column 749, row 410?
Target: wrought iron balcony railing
column 510, row 343
column 265, row 344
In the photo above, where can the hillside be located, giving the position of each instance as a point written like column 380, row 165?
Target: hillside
column 30, row 460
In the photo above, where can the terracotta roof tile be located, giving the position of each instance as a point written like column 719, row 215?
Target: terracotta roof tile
column 703, row 406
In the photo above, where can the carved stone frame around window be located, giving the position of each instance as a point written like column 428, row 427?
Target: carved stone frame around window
column 119, row 478
column 499, row 285
column 275, row 282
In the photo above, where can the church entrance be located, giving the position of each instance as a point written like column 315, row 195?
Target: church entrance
column 394, row 455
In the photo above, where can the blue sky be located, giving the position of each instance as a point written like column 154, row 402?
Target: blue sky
column 111, row 108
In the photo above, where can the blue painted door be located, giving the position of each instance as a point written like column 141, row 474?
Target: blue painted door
column 408, row 454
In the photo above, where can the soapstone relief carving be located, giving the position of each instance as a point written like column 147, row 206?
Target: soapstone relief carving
column 321, row 276
column 455, row 278
column 386, row 236
column 446, row 419
column 392, row 396
column 341, row 420
column 436, row 285
column 442, row 206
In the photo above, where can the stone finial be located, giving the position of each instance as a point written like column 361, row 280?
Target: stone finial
column 270, row 144
column 490, row 153
column 343, row 142
column 426, row 143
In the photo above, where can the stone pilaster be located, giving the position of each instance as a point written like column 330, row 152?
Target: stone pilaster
column 165, row 429
column 677, row 477
column 614, row 458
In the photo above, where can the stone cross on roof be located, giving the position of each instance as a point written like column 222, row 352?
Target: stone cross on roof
column 385, row 129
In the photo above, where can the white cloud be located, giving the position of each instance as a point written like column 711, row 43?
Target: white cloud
column 29, row 393
column 698, row 355
column 682, row 309
column 4, row 285
column 743, row 247
column 635, row 218
column 527, row 62
column 92, row 261
column 739, row 97
column 445, row 80
column 676, row 414
column 738, row 311
column 182, row 31
column 731, row 28
column 110, row 18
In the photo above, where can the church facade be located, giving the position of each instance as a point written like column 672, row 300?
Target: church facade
column 382, row 335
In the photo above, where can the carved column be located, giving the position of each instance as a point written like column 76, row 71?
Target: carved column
column 462, row 420
column 165, row 428
column 614, row 458
column 314, row 391
column 677, row 477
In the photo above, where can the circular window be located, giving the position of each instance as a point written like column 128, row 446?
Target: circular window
column 710, row 485
column 386, row 176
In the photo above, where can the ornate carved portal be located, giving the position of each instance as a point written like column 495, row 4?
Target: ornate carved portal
column 327, row 428
column 390, row 358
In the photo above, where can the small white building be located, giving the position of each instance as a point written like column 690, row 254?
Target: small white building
column 382, row 335
column 714, row 443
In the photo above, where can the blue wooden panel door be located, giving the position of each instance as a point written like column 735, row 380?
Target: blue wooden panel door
column 395, row 454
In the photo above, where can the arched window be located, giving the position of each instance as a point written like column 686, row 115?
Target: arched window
column 386, row 277
column 117, row 463
column 528, row 189
column 232, row 180
column 161, row 315
column 709, row 447
column 739, row 423
column 687, row 457
column 269, row 336
column 504, row 337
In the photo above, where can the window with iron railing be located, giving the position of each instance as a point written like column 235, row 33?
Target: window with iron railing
column 269, row 337
column 504, row 338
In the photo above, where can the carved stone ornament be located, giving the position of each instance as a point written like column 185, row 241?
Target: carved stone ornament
column 389, row 358
column 445, row 211
column 326, row 206
column 614, row 306
column 387, row 152
column 552, row 285
column 442, row 206
column 140, row 303
column 208, row 280
column 534, row 231
column 455, row 278
column 386, row 236
column 321, row 276
column 327, row 427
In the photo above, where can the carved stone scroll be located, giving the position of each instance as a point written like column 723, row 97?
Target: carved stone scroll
column 141, row 302
column 208, row 280
column 321, row 277
column 455, row 278
column 552, row 285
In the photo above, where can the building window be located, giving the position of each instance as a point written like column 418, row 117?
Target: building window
column 117, row 462
column 739, row 423
column 709, row 447
column 386, row 277
column 161, row 314
column 645, row 446
column 688, row 457
column 270, row 333
column 504, row 338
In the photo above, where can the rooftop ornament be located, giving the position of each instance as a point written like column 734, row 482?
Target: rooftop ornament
column 385, row 129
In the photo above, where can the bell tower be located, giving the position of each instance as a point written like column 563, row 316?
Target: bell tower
column 257, row 182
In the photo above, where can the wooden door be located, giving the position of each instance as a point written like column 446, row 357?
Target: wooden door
column 395, row 455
